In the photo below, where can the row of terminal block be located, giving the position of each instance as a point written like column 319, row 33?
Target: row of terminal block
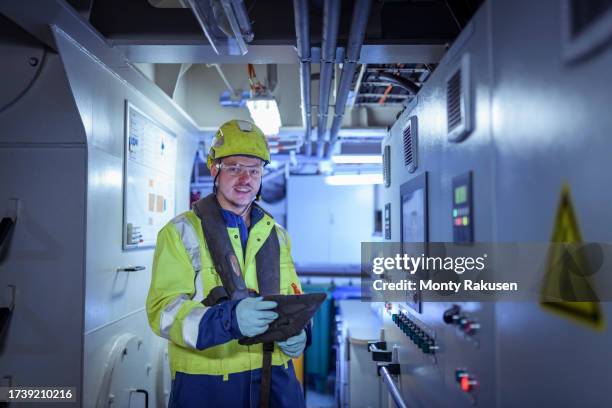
column 419, row 337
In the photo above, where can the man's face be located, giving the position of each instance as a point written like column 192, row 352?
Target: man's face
column 236, row 191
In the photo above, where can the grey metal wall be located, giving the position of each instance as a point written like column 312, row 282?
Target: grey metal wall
column 43, row 161
column 551, row 125
column 539, row 123
column 62, row 154
column 426, row 376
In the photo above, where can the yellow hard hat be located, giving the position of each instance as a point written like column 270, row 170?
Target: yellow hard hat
column 238, row 137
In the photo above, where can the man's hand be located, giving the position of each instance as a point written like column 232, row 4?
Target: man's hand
column 294, row 346
column 254, row 315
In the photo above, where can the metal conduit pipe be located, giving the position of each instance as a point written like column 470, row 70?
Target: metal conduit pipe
column 331, row 22
column 242, row 15
column 392, row 388
column 359, row 22
column 306, row 105
column 302, row 33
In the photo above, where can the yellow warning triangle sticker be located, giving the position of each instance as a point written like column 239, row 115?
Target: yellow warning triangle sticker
column 567, row 271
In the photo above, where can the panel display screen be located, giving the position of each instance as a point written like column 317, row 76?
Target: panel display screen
column 460, row 195
column 414, row 224
column 413, row 227
column 463, row 217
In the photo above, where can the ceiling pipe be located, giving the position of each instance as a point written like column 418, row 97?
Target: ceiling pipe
column 302, row 33
column 271, row 77
column 359, row 22
column 331, row 22
column 358, row 85
column 229, row 86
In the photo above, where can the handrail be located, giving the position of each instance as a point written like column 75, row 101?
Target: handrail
column 6, row 225
column 6, row 312
column 5, row 316
column 131, row 268
column 146, row 395
column 395, row 394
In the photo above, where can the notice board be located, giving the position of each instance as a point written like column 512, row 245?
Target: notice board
column 149, row 178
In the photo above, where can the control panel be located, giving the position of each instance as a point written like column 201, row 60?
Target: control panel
column 463, row 218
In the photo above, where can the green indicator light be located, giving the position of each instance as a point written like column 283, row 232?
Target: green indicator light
column 460, row 195
column 465, row 221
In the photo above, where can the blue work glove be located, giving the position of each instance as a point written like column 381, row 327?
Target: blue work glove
column 294, row 346
column 254, row 315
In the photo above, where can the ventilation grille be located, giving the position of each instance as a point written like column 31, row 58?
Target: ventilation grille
column 459, row 111
column 586, row 27
column 387, row 166
column 410, row 148
column 453, row 101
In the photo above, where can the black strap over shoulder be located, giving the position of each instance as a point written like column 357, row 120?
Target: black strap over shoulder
column 266, row 376
column 226, row 263
column 267, row 261
column 220, row 247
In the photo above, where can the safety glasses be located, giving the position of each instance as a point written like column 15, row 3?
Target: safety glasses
column 236, row 170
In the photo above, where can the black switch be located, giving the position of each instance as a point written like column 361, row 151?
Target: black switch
column 451, row 316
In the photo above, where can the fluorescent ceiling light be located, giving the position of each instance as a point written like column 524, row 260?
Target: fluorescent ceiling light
column 265, row 114
column 357, row 159
column 354, row 179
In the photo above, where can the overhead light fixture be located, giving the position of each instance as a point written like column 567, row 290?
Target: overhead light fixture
column 354, row 179
column 264, row 112
column 357, row 159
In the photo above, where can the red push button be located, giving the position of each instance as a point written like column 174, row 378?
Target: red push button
column 467, row 383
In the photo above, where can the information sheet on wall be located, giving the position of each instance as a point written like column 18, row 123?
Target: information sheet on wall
column 149, row 174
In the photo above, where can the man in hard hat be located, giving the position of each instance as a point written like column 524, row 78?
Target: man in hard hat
column 202, row 309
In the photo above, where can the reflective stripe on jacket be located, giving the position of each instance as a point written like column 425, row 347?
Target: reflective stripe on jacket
column 183, row 274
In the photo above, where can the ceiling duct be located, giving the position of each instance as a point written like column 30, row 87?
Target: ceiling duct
column 302, row 32
column 226, row 24
column 331, row 22
column 271, row 77
column 359, row 22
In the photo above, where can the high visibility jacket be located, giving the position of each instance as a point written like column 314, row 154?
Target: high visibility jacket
column 184, row 274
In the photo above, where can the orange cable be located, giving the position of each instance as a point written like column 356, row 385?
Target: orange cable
column 384, row 97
